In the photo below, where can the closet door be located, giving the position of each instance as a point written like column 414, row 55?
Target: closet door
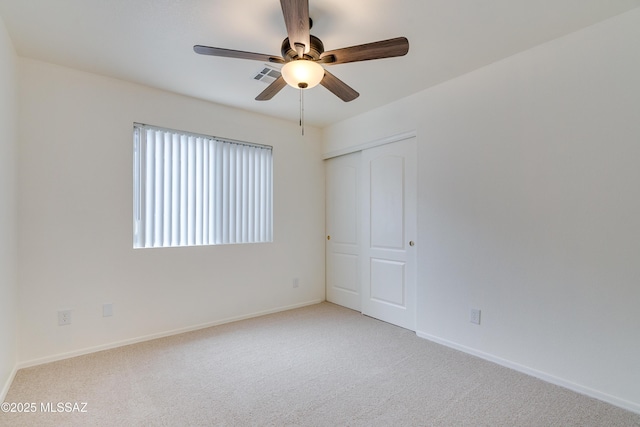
column 389, row 229
column 343, row 230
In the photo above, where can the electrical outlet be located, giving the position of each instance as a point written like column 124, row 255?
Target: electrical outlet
column 474, row 316
column 296, row 282
column 64, row 317
column 107, row 310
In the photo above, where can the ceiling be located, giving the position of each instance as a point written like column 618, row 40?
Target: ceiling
column 151, row 42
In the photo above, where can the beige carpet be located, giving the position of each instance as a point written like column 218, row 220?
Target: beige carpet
column 321, row 365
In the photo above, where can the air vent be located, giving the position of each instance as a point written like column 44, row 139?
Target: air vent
column 267, row 74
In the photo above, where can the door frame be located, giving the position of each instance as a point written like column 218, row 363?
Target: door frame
column 375, row 143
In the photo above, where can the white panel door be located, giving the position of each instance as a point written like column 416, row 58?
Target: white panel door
column 343, row 230
column 389, row 224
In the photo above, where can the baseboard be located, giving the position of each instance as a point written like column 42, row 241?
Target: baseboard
column 88, row 350
column 5, row 388
column 616, row 401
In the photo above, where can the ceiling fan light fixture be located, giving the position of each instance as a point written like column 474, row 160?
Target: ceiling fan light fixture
column 302, row 73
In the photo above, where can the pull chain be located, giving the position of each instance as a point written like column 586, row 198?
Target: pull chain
column 302, row 110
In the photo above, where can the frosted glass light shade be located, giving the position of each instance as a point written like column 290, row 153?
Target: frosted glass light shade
column 302, row 73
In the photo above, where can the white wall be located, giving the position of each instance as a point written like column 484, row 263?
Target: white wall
column 75, row 206
column 529, row 207
column 8, row 211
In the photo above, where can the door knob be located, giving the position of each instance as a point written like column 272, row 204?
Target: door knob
column 411, row 243
column 328, row 237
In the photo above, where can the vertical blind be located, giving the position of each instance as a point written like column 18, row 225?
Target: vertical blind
column 194, row 190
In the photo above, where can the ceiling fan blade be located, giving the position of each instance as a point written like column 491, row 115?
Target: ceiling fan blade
column 338, row 87
column 229, row 53
column 365, row 52
column 271, row 90
column 296, row 18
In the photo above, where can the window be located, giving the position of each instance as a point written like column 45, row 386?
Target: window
column 194, row 190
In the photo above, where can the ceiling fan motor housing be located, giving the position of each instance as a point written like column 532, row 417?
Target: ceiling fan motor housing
column 316, row 49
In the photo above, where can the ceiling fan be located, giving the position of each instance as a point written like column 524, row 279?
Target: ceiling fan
column 303, row 55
